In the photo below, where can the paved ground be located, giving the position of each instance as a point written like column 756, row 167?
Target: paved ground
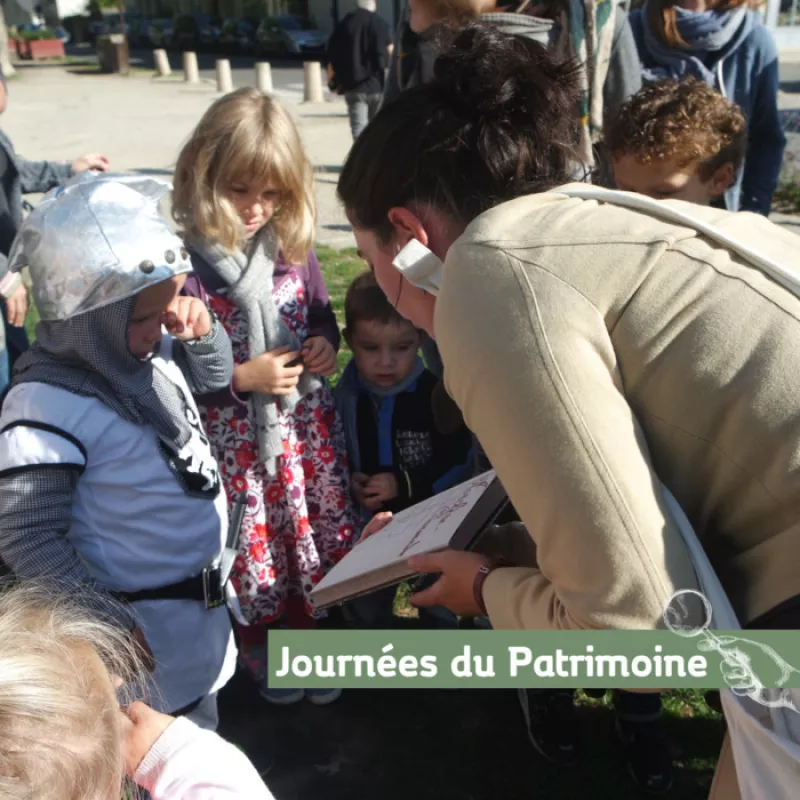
column 141, row 122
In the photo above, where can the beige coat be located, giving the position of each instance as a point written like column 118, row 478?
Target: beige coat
column 594, row 350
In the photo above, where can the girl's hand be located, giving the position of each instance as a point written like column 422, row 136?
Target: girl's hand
column 187, row 318
column 17, row 306
column 454, row 589
column 376, row 524
column 95, row 161
column 269, row 373
column 319, row 356
column 142, row 727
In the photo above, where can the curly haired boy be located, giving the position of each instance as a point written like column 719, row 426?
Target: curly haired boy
column 678, row 140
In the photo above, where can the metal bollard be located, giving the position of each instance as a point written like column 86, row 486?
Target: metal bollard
column 312, row 73
column 162, row 63
column 224, row 78
column 264, row 77
column 190, row 72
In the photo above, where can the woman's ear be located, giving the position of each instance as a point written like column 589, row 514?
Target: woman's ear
column 407, row 226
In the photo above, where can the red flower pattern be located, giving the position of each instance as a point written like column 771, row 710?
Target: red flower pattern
column 284, row 549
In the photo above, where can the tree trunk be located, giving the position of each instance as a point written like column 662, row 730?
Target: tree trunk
column 5, row 57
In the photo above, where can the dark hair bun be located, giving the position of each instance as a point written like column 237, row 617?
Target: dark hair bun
column 485, row 73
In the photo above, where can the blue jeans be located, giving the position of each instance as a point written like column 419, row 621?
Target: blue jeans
column 361, row 108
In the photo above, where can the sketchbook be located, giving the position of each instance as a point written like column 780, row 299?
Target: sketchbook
column 453, row 519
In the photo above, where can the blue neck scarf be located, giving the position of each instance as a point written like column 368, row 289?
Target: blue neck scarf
column 707, row 34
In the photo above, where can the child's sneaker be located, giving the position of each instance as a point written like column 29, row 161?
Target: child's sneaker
column 281, row 697
column 552, row 723
column 321, row 697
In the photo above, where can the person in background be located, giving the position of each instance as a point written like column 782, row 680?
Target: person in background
column 676, row 140
column 724, row 44
column 397, row 455
column 608, row 75
column 358, row 51
column 17, row 177
column 244, row 197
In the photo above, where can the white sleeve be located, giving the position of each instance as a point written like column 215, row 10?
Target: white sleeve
column 188, row 763
column 27, row 444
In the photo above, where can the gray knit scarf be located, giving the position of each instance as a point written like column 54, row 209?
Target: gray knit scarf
column 249, row 280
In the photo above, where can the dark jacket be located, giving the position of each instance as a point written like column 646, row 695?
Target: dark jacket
column 398, row 435
column 357, row 51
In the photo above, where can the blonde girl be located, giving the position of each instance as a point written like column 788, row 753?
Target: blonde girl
column 244, row 198
column 64, row 735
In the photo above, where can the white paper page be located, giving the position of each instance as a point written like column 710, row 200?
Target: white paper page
column 423, row 528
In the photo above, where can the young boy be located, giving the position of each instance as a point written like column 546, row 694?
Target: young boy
column 109, row 490
column 397, row 456
column 676, row 140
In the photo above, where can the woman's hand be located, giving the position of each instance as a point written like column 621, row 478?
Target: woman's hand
column 319, row 356
column 17, row 306
column 269, row 373
column 142, row 728
column 94, row 161
column 454, row 589
column 376, row 524
column 187, row 318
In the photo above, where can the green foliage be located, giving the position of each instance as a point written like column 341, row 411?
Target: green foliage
column 40, row 35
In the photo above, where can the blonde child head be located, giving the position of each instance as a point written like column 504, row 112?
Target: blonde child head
column 245, row 139
column 60, row 731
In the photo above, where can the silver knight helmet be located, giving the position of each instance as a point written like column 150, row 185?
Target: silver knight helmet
column 95, row 240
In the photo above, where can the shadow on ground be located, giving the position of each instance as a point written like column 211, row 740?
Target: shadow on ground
column 440, row 745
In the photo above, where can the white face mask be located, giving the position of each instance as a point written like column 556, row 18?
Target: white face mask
column 420, row 267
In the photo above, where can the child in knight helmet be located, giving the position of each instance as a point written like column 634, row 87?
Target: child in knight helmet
column 244, row 198
column 64, row 735
column 108, row 486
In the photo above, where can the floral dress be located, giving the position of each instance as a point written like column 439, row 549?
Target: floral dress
column 298, row 524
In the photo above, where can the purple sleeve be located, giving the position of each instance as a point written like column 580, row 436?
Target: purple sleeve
column 321, row 319
column 223, row 397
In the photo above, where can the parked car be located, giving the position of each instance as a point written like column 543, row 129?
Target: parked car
column 159, row 34
column 289, row 35
column 195, row 32
column 238, row 35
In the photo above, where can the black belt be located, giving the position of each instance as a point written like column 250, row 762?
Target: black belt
column 208, row 588
column 189, row 589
